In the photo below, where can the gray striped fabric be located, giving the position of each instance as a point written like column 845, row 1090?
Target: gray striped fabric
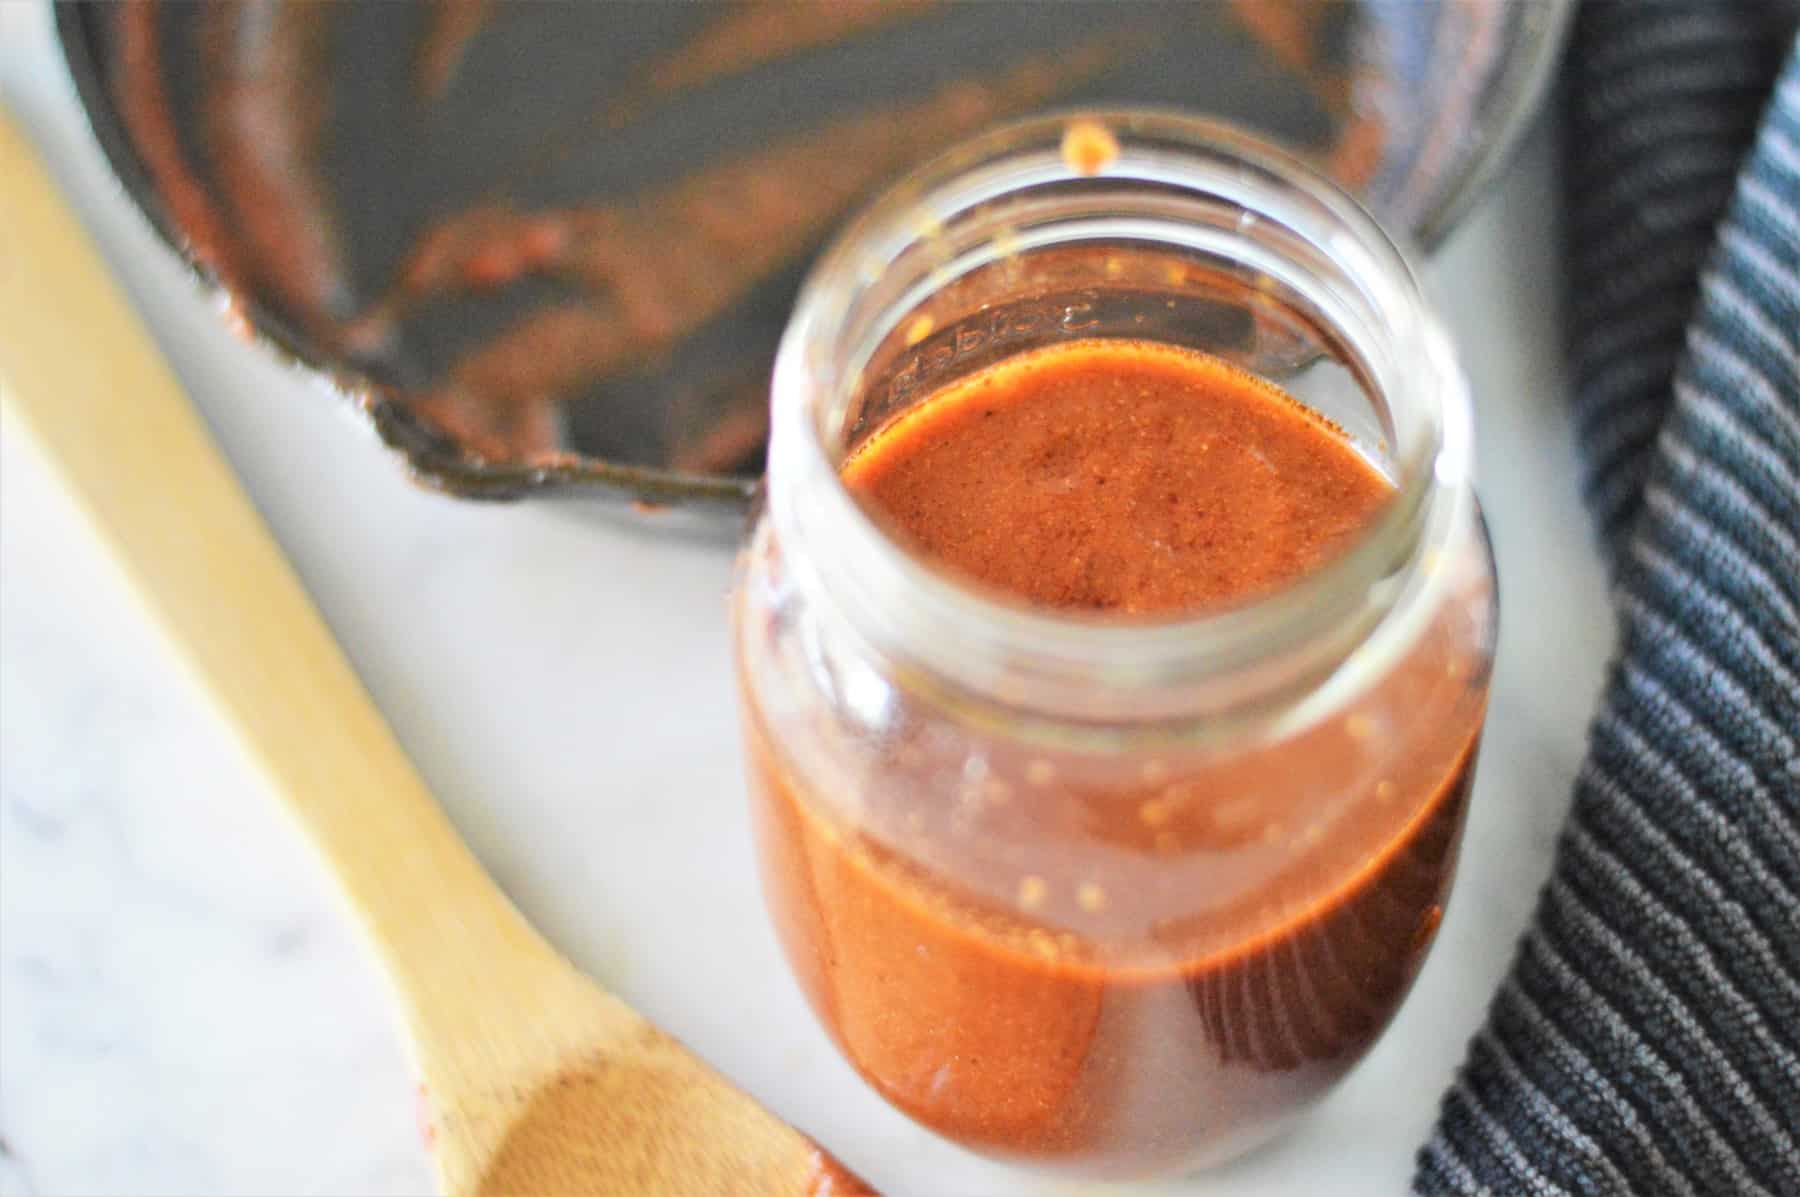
column 1647, row 1038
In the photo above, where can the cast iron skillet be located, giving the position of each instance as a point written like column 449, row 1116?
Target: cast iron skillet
column 650, row 181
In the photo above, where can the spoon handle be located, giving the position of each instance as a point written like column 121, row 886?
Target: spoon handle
column 533, row 1069
column 80, row 375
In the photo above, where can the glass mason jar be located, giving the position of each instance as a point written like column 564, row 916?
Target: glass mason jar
column 1122, row 896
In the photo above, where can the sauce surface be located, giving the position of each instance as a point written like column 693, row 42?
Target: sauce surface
column 1118, row 476
column 1119, row 963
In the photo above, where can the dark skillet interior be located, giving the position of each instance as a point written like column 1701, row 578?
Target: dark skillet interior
column 607, row 321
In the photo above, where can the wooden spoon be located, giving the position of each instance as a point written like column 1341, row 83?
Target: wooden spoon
column 538, row 1082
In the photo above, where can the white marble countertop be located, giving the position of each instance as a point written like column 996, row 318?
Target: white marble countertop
column 184, row 1008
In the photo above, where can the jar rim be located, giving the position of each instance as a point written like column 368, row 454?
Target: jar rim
column 947, row 635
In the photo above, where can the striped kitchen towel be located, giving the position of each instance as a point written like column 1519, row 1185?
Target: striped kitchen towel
column 1647, row 1037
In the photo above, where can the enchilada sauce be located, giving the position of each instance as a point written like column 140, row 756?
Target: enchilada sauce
column 1131, row 964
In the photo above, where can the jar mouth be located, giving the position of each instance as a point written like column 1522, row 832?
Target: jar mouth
column 1013, row 661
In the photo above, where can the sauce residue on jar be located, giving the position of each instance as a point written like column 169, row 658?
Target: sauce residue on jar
column 1137, row 963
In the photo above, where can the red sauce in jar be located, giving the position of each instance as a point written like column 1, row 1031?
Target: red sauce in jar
column 1118, row 476
column 1126, row 965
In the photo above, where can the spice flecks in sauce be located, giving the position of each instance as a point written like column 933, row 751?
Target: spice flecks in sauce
column 1088, row 147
